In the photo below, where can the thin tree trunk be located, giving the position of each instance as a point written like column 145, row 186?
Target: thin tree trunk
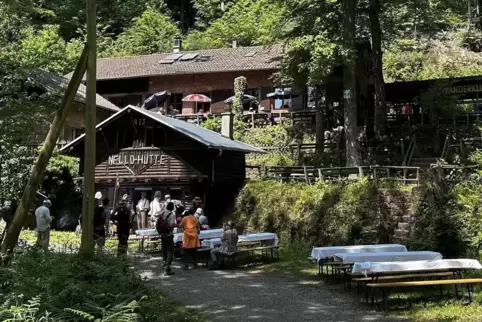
column 87, row 242
column 38, row 171
column 349, row 83
column 377, row 60
column 320, row 122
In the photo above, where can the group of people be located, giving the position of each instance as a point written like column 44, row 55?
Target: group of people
column 165, row 216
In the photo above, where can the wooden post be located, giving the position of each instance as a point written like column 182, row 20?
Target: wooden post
column 87, row 242
column 320, row 174
column 252, row 120
column 305, row 171
column 360, row 172
column 10, row 240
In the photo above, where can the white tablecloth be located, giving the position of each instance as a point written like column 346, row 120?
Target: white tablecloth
column 324, row 252
column 204, row 234
column 415, row 266
column 211, row 243
column 387, row 257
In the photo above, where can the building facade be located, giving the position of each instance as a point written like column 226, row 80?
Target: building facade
column 131, row 80
column 141, row 151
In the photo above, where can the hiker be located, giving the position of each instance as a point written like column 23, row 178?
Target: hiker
column 164, row 226
column 142, row 211
column 190, row 239
column 121, row 217
column 229, row 240
column 7, row 213
column 101, row 224
column 43, row 218
column 203, row 220
column 156, row 208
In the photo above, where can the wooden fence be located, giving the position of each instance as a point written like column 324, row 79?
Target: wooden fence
column 310, row 174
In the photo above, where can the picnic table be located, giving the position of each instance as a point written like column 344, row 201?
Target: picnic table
column 320, row 253
column 387, row 257
column 203, row 234
column 366, row 268
column 267, row 237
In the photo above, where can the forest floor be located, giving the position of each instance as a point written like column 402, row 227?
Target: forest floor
column 247, row 295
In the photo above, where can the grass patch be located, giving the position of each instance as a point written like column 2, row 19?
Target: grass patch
column 69, row 241
column 47, row 286
column 293, row 259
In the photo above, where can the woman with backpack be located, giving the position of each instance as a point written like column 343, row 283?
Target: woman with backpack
column 190, row 239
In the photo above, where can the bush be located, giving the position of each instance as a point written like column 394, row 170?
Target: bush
column 39, row 286
column 321, row 214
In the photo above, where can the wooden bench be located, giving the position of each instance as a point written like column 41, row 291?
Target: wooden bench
column 386, row 287
column 204, row 254
column 337, row 268
column 266, row 252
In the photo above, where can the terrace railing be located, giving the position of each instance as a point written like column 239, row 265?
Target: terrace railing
column 310, row 174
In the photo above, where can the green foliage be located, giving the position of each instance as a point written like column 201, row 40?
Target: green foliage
column 40, row 286
column 153, row 32
column 239, row 88
column 270, row 136
column 249, row 22
column 320, row 214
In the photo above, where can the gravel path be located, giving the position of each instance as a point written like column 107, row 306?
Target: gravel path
column 253, row 296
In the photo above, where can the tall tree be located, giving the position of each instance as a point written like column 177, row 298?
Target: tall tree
column 377, row 67
column 87, row 242
column 349, row 82
column 10, row 240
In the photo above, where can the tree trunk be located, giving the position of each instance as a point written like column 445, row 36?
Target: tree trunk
column 377, row 60
column 87, row 240
column 320, row 122
column 38, row 171
column 349, row 83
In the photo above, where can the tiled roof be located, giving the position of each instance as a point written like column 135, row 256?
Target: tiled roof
column 220, row 60
column 57, row 84
column 210, row 139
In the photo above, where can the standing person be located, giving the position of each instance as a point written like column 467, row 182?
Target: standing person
column 229, row 240
column 155, row 209
column 121, row 217
column 203, row 220
column 107, row 216
column 142, row 211
column 164, row 226
column 190, row 239
column 43, row 219
column 7, row 213
column 101, row 224
column 132, row 217
column 197, row 202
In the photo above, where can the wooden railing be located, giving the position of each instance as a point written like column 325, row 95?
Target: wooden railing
column 310, row 174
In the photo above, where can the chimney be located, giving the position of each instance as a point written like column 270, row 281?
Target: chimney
column 235, row 44
column 177, row 44
column 227, row 128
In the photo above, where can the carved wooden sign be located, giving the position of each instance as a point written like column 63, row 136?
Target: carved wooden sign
column 138, row 161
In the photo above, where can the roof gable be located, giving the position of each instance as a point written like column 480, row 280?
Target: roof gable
column 191, row 62
column 210, row 139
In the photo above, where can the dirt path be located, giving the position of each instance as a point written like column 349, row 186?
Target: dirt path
column 252, row 296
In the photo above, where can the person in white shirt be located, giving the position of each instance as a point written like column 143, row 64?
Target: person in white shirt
column 43, row 218
column 156, row 209
column 142, row 210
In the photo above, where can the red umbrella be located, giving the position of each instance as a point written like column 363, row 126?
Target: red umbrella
column 196, row 98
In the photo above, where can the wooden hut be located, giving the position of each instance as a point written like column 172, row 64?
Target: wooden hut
column 142, row 151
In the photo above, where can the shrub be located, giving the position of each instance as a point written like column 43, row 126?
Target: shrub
column 61, row 287
column 320, row 214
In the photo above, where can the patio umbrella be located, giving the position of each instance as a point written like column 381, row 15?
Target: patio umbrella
column 281, row 93
column 196, row 98
column 156, row 99
column 246, row 99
